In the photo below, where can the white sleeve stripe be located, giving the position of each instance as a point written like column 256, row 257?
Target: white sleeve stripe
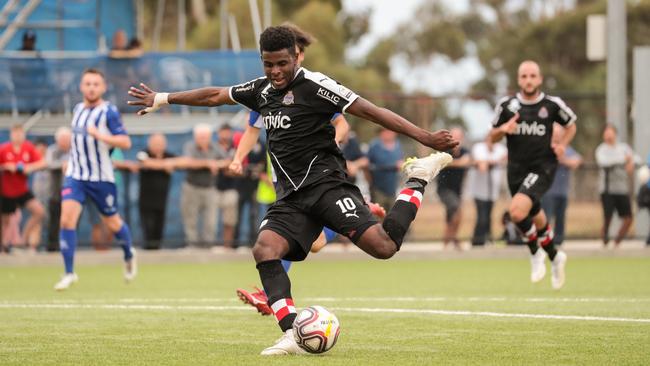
column 497, row 113
column 560, row 103
column 352, row 99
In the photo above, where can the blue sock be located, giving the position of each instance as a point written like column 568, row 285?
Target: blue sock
column 124, row 239
column 68, row 244
column 286, row 265
column 329, row 234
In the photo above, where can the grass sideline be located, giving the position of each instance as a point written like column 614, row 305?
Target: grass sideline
column 188, row 314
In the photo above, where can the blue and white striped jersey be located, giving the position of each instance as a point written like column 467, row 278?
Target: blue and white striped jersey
column 90, row 159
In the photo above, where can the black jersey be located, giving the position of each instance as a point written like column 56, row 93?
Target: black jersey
column 531, row 141
column 300, row 136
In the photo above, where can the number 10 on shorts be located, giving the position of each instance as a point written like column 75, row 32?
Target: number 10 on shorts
column 346, row 204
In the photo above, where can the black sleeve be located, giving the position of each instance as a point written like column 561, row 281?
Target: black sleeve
column 505, row 109
column 246, row 93
column 564, row 115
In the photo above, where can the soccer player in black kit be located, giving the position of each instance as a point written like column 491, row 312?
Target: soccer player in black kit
column 312, row 189
column 526, row 120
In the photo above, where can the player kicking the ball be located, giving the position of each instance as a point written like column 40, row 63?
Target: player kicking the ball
column 97, row 128
column 312, row 189
column 527, row 122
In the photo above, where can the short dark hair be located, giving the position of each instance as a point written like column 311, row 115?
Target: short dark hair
column 17, row 127
column 91, row 70
column 303, row 39
column 277, row 39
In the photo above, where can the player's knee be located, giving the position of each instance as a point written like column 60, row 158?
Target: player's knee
column 265, row 251
column 517, row 214
column 386, row 250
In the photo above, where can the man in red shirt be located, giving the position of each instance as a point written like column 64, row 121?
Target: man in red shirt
column 18, row 159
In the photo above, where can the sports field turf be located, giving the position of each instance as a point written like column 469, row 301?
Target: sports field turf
column 399, row 312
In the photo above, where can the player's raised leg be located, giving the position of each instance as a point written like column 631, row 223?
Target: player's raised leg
column 384, row 240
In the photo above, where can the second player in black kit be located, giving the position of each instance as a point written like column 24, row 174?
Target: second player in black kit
column 531, row 161
column 526, row 120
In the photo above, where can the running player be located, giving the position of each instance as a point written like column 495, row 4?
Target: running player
column 97, row 128
column 527, row 122
column 312, row 189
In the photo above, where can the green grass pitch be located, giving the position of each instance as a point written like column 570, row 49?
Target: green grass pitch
column 398, row 312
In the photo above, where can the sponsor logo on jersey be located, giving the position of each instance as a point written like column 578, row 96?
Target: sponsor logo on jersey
column 514, row 106
column 277, row 121
column 530, row 129
column 543, row 113
column 326, row 94
column 288, row 98
column 244, row 88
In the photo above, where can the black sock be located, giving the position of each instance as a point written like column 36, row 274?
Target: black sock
column 278, row 290
column 403, row 212
column 528, row 233
column 545, row 238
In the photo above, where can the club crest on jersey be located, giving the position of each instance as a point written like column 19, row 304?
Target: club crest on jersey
column 288, row 98
column 543, row 113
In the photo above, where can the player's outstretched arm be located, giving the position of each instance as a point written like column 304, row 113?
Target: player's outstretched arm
column 202, row 97
column 439, row 140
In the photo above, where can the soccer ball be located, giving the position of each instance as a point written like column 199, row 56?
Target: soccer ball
column 316, row 329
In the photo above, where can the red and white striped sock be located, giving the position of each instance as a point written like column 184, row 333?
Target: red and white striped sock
column 283, row 308
column 406, row 206
column 410, row 195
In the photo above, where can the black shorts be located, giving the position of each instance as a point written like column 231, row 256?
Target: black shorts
column 618, row 202
column 11, row 204
column 532, row 180
column 300, row 217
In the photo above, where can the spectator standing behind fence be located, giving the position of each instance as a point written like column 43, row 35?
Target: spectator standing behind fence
column 386, row 157
column 227, row 195
column 56, row 158
column 556, row 199
column 18, row 159
column 41, row 183
column 198, row 193
column 156, row 167
column 616, row 162
column 355, row 159
column 487, row 173
column 450, row 186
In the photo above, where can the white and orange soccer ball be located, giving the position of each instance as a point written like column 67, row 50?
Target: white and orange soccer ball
column 316, row 329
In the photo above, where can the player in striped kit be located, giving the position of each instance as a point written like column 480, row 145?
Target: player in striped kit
column 97, row 129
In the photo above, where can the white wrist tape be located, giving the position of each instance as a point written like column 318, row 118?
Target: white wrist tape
column 159, row 100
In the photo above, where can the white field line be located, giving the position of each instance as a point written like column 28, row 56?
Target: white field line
column 384, row 311
column 407, row 299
